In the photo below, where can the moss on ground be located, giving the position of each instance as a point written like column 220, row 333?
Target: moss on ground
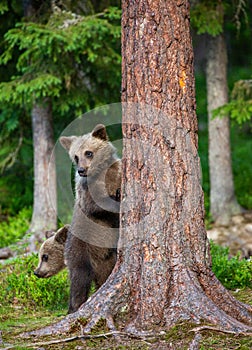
column 15, row 320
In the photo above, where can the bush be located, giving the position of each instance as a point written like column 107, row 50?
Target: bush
column 15, row 227
column 231, row 272
column 20, row 286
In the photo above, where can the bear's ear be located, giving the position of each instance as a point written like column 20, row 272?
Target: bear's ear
column 99, row 132
column 66, row 141
column 61, row 234
column 49, row 234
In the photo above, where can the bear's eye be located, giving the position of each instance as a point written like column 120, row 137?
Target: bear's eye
column 89, row 154
column 45, row 257
column 76, row 158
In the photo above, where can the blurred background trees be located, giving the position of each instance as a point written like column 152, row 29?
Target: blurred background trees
column 222, row 56
column 62, row 58
column 211, row 18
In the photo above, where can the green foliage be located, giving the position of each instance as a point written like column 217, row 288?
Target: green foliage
column 242, row 165
column 70, row 59
column 232, row 272
column 241, row 143
column 12, row 230
column 16, row 184
column 208, row 17
column 20, row 286
column 11, row 136
column 240, row 106
column 66, row 59
column 3, row 7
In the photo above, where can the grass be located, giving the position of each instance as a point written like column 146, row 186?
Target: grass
column 28, row 303
column 15, row 320
column 14, row 228
column 21, row 287
column 233, row 272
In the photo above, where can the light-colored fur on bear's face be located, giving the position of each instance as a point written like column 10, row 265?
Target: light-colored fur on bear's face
column 91, row 152
column 51, row 253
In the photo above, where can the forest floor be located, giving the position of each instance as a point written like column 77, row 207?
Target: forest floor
column 15, row 319
column 237, row 236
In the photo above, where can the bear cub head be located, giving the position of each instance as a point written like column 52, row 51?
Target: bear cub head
column 51, row 253
column 91, row 153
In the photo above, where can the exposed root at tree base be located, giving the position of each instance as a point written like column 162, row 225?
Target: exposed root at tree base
column 190, row 302
column 197, row 304
column 102, row 305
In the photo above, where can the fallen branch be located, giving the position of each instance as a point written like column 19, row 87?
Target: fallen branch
column 217, row 329
column 78, row 337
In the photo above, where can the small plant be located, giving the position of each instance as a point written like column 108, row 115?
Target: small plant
column 21, row 287
column 12, row 230
column 232, row 272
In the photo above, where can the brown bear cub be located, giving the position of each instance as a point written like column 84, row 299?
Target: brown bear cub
column 90, row 251
column 51, row 253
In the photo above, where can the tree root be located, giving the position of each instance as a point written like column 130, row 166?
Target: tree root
column 193, row 301
column 224, row 299
column 102, row 305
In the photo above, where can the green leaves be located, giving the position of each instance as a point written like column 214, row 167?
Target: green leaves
column 240, row 106
column 22, row 287
column 208, row 17
column 13, row 230
column 232, row 272
column 21, row 91
column 3, row 7
column 58, row 61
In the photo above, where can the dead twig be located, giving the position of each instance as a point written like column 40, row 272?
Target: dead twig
column 78, row 337
column 216, row 329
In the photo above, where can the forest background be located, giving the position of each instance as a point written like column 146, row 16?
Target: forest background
column 35, row 73
column 101, row 66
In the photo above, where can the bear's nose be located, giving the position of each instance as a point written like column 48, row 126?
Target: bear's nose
column 82, row 171
column 36, row 273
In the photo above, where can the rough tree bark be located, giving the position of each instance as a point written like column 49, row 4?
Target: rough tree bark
column 44, row 216
column 163, row 273
column 223, row 203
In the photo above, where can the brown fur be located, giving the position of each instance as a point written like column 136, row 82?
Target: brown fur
column 51, row 253
column 91, row 245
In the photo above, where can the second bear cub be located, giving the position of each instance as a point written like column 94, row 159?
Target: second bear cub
column 90, row 251
column 51, row 253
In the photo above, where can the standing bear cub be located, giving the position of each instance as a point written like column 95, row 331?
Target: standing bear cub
column 90, row 251
column 51, row 253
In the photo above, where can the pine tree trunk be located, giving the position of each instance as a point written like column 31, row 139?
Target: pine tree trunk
column 44, row 215
column 223, row 202
column 163, row 273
